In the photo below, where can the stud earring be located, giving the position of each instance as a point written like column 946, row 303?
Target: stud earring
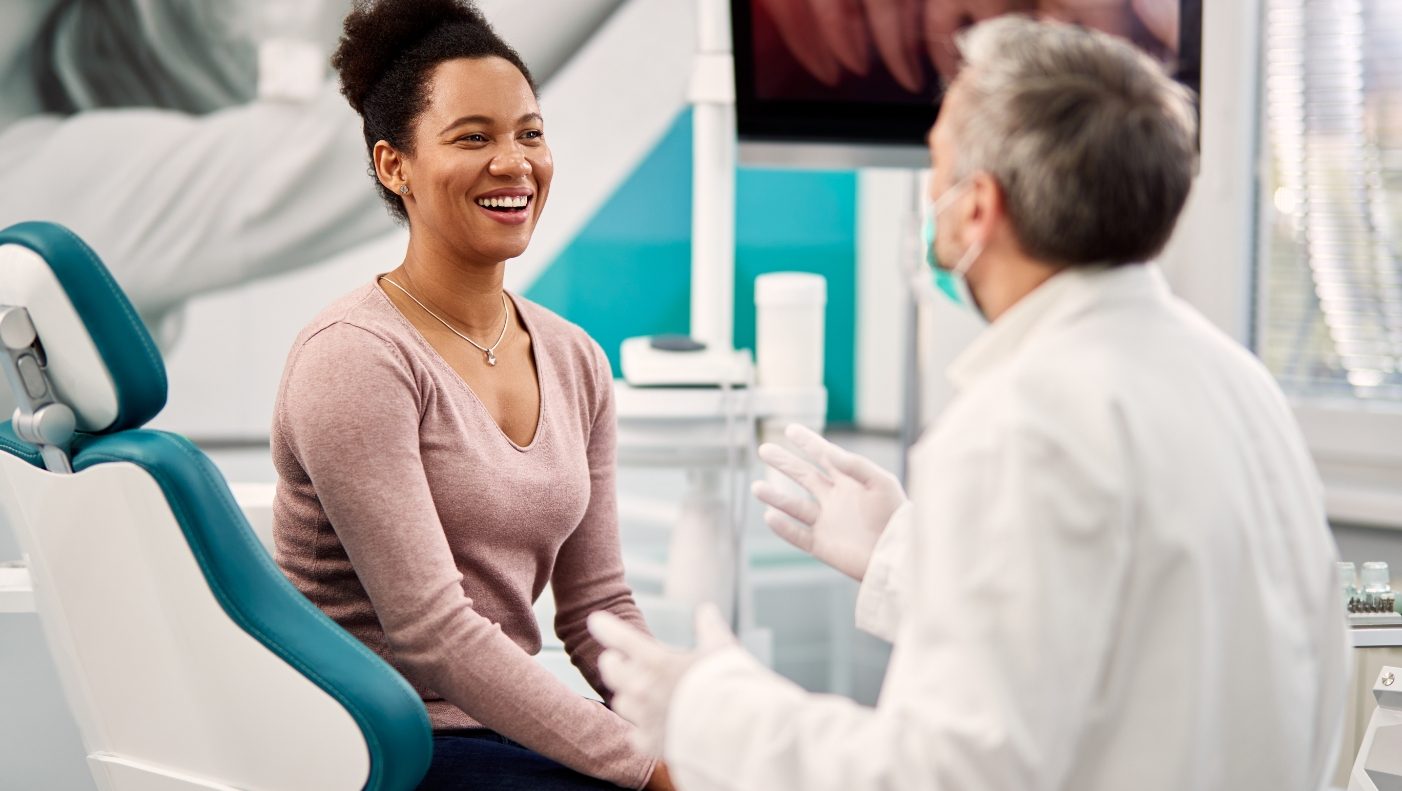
column 403, row 189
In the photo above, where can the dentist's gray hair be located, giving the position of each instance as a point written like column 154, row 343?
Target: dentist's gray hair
column 1093, row 144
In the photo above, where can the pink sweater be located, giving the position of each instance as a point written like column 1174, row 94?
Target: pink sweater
column 408, row 516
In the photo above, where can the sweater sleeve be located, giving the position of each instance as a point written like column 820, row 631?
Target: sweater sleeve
column 588, row 572
column 351, row 412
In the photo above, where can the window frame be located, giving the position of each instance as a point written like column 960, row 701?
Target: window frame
column 1214, row 260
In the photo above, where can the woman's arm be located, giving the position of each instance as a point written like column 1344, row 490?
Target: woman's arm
column 588, row 572
column 350, row 411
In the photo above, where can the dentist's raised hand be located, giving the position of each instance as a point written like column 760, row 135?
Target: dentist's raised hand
column 644, row 674
column 853, row 499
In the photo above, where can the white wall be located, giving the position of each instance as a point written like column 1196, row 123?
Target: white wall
column 225, row 367
column 886, row 226
column 1210, row 258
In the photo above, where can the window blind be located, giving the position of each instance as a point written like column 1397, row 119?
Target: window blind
column 1329, row 283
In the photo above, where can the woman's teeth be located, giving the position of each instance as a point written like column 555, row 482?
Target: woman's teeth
column 509, row 202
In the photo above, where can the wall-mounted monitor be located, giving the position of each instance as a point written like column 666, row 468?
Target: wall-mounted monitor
column 836, row 83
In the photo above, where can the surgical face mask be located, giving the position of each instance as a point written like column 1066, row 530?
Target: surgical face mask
column 952, row 282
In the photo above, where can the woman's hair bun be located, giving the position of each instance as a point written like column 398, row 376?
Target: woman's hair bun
column 378, row 32
column 387, row 57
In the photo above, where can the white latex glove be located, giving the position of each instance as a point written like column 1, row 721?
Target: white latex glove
column 643, row 673
column 853, row 499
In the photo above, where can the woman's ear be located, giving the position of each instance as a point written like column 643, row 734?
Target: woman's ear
column 391, row 167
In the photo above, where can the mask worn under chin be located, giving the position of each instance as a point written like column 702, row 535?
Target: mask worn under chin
column 952, row 282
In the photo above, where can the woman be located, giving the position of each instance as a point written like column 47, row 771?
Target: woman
column 444, row 449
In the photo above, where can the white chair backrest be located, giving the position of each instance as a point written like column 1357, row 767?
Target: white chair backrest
column 187, row 658
column 162, row 683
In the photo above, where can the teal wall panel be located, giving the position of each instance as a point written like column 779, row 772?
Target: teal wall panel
column 629, row 271
column 802, row 221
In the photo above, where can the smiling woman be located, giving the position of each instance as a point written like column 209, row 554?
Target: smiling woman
column 479, row 143
column 444, row 448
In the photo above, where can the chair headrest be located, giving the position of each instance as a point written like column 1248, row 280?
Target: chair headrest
column 100, row 358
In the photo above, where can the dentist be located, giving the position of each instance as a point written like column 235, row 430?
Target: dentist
column 1115, row 570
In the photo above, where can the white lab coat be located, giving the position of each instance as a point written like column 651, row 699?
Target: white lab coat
column 1116, row 575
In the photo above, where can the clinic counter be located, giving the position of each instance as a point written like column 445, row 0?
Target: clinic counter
column 16, row 592
column 1376, row 636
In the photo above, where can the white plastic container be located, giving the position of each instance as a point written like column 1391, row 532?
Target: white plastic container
column 789, row 312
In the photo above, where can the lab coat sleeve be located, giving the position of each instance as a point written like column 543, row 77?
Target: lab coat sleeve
column 1015, row 552
column 879, row 599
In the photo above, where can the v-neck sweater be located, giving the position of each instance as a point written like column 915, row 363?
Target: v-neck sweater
column 406, row 514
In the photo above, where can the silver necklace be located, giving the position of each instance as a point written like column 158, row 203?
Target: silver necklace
column 491, row 351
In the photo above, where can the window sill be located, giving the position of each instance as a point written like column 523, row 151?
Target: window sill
column 1358, row 450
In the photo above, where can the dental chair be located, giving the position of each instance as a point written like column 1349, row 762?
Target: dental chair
column 187, row 658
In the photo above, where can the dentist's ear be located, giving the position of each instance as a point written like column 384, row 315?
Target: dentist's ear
column 987, row 206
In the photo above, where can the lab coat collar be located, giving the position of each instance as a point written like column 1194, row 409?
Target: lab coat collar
column 1062, row 297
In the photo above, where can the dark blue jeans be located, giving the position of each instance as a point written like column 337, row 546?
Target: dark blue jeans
column 477, row 759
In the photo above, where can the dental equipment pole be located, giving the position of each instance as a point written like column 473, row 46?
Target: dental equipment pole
column 713, row 178
column 911, row 392
column 706, row 531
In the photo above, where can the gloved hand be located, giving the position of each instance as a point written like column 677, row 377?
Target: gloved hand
column 853, row 499
column 643, row 673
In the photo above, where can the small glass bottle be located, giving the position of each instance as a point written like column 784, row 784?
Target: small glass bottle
column 1377, row 587
column 1348, row 583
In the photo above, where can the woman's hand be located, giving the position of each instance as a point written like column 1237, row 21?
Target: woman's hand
column 660, row 780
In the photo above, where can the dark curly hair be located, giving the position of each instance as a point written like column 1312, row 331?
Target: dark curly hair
column 388, row 50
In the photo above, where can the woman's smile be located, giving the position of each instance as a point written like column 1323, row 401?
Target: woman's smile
column 510, row 206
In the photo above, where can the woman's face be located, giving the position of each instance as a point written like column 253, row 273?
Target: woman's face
column 481, row 168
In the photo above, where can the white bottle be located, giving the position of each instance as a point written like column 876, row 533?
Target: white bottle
column 789, row 313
